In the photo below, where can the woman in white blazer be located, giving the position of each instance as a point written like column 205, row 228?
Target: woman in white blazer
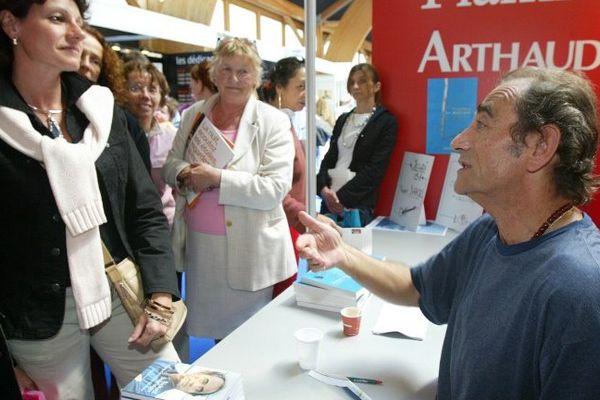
column 236, row 242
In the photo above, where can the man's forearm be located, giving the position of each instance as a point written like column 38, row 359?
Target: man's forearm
column 390, row 281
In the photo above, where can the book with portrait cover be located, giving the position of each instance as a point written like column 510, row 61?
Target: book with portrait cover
column 170, row 380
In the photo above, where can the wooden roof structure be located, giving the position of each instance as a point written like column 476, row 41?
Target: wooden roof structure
column 343, row 26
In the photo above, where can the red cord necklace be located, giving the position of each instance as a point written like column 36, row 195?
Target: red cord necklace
column 552, row 219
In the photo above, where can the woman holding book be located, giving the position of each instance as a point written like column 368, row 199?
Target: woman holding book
column 75, row 181
column 237, row 242
column 360, row 149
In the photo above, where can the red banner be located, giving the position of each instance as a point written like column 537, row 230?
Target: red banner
column 418, row 41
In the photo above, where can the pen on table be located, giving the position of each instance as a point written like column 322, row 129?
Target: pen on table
column 364, row 380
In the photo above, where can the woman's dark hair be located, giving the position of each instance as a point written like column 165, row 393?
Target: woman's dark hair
column 280, row 74
column 111, row 70
column 371, row 72
column 20, row 9
column 201, row 73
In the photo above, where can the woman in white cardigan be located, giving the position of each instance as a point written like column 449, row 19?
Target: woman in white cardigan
column 236, row 243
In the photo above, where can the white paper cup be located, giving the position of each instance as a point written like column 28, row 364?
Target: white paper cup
column 309, row 340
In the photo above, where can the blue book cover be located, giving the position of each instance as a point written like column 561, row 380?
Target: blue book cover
column 177, row 381
column 451, row 106
column 334, row 279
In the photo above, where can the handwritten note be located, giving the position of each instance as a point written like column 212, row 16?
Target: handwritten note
column 410, row 190
column 455, row 211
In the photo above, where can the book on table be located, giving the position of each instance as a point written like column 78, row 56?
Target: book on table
column 334, row 279
column 330, row 289
column 170, row 380
column 208, row 145
column 323, row 299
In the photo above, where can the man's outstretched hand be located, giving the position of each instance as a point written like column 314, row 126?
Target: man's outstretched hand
column 322, row 245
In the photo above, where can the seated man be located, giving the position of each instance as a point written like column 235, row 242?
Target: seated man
column 520, row 287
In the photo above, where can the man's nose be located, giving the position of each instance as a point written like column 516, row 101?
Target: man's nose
column 460, row 141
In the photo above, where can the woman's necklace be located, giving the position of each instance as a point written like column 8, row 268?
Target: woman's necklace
column 555, row 216
column 356, row 122
column 53, row 125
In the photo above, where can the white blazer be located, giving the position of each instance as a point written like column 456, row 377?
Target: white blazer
column 259, row 247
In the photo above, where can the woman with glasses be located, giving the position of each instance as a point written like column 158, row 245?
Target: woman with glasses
column 147, row 90
column 360, row 149
column 102, row 65
column 237, row 243
column 75, row 181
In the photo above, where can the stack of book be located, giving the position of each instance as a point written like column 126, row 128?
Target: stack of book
column 329, row 290
column 170, row 380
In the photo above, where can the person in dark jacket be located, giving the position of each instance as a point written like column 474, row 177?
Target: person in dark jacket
column 71, row 179
column 361, row 146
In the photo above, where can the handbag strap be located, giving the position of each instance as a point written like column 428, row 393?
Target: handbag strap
column 197, row 121
column 108, row 258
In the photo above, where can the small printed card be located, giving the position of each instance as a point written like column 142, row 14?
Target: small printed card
column 455, row 211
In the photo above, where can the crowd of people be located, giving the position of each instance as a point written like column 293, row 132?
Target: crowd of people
column 94, row 152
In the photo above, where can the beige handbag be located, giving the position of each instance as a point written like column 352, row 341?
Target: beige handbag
column 126, row 278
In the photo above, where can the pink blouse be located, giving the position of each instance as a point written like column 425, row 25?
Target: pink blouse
column 207, row 215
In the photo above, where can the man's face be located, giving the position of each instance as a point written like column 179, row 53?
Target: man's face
column 199, row 383
column 490, row 159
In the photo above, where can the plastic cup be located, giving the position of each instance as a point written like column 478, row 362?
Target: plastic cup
column 351, row 317
column 309, row 340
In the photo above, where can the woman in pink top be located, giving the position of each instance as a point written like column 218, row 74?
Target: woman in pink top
column 237, row 243
column 147, row 90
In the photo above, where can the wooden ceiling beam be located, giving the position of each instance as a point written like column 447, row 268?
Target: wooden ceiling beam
column 353, row 28
column 295, row 29
column 280, row 7
column 137, row 3
column 196, row 11
column 332, row 9
column 249, row 5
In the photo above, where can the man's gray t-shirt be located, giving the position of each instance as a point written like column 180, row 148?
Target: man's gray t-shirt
column 523, row 320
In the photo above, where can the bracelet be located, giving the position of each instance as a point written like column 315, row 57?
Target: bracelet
column 158, row 306
column 158, row 318
column 160, row 310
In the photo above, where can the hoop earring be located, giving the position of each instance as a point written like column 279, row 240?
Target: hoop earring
column 15, row 41
column 279, row 101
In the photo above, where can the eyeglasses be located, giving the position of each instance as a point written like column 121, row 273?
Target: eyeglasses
column 136, row 88
column 245, row 41
column 228, row 71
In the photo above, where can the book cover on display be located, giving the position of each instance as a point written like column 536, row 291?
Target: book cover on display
column 171, row 380
column 208, row 145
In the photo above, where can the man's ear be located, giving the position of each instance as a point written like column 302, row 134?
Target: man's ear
column 544, row 146
column 9, row 24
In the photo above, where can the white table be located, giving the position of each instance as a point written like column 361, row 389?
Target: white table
column 263, row 349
